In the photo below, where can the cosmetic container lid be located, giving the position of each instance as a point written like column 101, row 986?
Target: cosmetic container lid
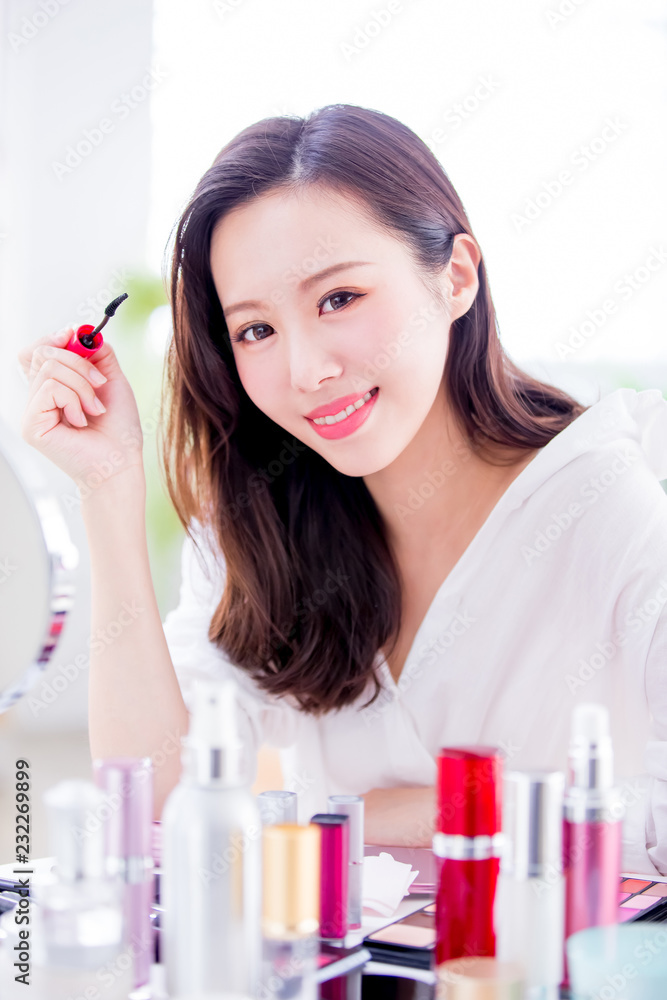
column 75, row 816
column 277, row 807
column 128, row 785
column 353, row 807
column 591, row 758
column 213, row 721
column 627, row 960
column 479, row 978
column 212, row 748
column 469, row 791
column 291, row 876
column 533, row 824
column 334, row 873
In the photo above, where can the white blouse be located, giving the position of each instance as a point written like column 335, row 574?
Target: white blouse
column 560, row 597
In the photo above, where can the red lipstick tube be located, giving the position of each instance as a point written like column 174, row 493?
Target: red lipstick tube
column 334, row 870
column 467, row 847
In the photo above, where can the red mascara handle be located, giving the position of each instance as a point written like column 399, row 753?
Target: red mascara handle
column 74, row 344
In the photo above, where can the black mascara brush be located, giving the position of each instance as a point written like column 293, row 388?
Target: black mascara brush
column 87, row 338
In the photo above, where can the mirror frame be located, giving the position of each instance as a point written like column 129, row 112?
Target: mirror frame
column 62, row 558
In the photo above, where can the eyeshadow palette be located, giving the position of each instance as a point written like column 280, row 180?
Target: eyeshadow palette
column 641, row 898
column 409, row 942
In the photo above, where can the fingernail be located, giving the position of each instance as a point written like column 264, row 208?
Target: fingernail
column 97, row 378
column 99, row 406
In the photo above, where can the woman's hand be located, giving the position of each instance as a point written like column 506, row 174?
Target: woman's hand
column 402, row 817
column 62, row 419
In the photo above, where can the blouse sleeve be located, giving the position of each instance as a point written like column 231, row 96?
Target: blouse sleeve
column 262, row 717
column 656, row 748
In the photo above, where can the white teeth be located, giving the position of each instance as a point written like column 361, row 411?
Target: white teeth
column 344, row 414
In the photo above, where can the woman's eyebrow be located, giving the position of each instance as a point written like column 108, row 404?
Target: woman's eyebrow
column 303, row 285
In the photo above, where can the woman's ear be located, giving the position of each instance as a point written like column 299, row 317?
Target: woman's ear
column 459, row 280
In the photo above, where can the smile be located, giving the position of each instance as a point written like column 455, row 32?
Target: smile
column 348, row 411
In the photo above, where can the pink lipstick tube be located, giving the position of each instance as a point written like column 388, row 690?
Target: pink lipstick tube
column 467, row 846
column 592, row 824
column 334, row 874
column 128, row 784
column 77, row 347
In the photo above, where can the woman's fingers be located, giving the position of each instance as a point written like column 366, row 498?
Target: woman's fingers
column 59, row 339
column 43, row 412
column 56, row 370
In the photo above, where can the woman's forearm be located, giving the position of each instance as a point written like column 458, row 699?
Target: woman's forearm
column 135, row 703
column 399, row 816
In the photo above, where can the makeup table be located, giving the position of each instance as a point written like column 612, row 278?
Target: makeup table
column 357, row 975
column 340, row 980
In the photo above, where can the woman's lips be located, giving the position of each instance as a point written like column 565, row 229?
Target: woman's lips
column 344, row 428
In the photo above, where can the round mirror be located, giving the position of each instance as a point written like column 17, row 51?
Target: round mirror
column 37, row 558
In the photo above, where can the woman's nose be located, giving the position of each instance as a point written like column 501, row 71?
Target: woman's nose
column 310, row 359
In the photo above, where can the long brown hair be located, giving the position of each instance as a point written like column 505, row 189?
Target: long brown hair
column 312, row 590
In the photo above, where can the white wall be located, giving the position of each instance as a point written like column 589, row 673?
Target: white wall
column 68, row 232
column 507, row 94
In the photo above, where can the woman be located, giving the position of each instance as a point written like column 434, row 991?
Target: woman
column 438, row 562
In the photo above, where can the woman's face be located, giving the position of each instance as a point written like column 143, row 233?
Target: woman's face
column 321, row 341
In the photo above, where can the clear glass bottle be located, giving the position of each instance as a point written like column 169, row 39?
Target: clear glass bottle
column 76, row 927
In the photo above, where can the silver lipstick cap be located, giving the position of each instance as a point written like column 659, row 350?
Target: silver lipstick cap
column 352, row 806
column 277, row 807
column 532, row 823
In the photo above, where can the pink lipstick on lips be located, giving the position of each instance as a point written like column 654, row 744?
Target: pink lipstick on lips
column 350, row 423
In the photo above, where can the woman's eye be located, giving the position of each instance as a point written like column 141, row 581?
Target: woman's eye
column 240, row 337
column 339, row 295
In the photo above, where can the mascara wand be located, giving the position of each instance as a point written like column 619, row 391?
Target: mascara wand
column 88, row 339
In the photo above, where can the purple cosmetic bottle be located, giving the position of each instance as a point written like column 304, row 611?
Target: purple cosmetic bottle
column 592, row 824
column 128, row 785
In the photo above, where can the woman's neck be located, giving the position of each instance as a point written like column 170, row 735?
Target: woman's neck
column 439, row 487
